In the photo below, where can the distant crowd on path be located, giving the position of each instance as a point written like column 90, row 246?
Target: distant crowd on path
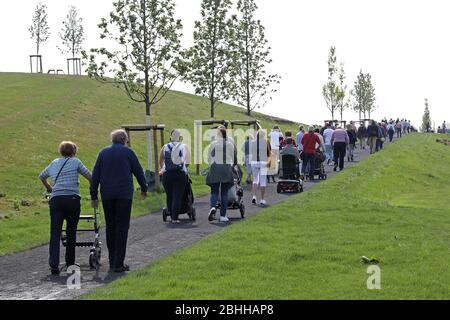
column 443, row 129
column 117, row 164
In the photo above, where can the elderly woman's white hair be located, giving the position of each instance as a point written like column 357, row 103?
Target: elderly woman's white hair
column 119, row 136
column 175, row 135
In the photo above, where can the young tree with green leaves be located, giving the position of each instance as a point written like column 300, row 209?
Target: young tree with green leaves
column 364, row 95
column 210, row 60
column 252, row 86
column 341, row 93
column 72, row 33
column 358, row 94
column 39, row 29
column 148, row 62
column 426, row 118
column 330, row 90
column 370, row 96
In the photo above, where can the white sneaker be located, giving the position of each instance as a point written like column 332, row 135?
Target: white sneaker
column 263, row 202
column 224, row 219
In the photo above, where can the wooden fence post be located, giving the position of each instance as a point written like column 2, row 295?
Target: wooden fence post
column 156, row 155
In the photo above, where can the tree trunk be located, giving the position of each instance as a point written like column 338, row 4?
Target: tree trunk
column 212, row 105
column 247, row 75
column 148, row 135
column 37, row 59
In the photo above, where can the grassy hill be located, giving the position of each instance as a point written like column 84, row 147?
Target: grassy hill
column 393, row 207
column 37, row 112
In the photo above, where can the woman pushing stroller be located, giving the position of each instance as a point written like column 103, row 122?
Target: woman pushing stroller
column 173, row 161
column 222, row 157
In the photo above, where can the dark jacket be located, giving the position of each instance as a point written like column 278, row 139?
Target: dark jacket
column 362, row 132
column 114, row 172
column 352, row 136
column 372, row 131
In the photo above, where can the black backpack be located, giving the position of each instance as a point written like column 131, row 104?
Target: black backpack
column 168, row 161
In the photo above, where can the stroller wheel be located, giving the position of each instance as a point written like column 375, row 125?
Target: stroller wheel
column 193, row 214
column 242, row 210
column 279, row 189
column 164, row 214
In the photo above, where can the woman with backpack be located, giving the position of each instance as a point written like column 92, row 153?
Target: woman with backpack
column 173, row 161
column 352, row 142
column 222, row 157
column 64, row 201
column 391, row 131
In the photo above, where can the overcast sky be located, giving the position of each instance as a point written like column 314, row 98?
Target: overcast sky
column 404, row 44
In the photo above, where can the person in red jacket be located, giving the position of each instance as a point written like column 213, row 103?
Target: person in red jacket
column 309, row 141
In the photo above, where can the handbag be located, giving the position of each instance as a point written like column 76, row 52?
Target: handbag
column 57, row 176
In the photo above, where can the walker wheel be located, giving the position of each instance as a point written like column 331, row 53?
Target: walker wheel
column 242, row 210
column 92, row 263
column 95, row 258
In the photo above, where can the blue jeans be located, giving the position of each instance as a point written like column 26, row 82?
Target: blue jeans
column 311, row 159
column 329, row 152
column 224, row 187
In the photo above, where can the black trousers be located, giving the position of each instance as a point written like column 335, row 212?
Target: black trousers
column 391, row 136
column 117, row 218
column 174, row 183
column 63, row 208
column 339, row 149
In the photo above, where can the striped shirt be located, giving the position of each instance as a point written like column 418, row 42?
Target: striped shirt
column 340, row 135
column 67, row 183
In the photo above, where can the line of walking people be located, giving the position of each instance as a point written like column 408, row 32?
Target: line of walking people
column 117, row 164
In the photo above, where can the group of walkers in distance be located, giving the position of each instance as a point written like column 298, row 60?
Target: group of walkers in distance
column 117, row 164
column 443, row 129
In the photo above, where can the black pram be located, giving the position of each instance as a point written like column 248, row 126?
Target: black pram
column 187, row 206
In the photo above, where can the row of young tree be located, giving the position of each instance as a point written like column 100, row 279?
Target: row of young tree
column 339, row 97
column 228, row 60
column 71, row 34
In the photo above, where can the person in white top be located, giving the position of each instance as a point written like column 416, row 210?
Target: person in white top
column 299, row 138
column 275, row 136
column 327, row 134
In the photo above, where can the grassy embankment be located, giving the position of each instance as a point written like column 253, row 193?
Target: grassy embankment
column 37, row 112
column 393, row 207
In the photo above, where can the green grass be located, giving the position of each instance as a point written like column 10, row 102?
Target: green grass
column 393, row 206
column 37, row 112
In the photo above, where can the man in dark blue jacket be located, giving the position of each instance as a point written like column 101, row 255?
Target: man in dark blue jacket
column 114, row 172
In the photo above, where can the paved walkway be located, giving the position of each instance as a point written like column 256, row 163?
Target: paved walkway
column 26, row 275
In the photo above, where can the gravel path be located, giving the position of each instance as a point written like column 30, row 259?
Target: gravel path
column 26, row 275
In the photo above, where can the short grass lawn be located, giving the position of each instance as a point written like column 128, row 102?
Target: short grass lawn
column 393, row 207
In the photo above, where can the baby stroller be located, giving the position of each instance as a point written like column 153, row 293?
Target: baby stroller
column 96, row 249
column 319, row 168
column 236, row 193
column 289, row 174
column 187, row 206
